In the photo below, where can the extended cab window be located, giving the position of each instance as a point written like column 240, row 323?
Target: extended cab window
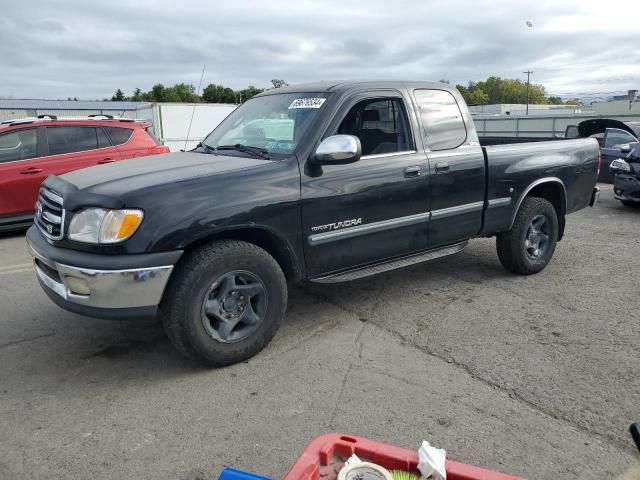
column 118, row 135
column 380, row 124
column 71, row 139
column 18, row 145
column 441, row 119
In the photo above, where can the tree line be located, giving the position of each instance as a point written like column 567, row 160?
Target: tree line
column 484, row 92
column 508, row 90
column 186, row 93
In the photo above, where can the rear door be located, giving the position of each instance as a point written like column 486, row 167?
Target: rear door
column 72, row 147
column 21, row 171
column 372, row 209
column 456, row 168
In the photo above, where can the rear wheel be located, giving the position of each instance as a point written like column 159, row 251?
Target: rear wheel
column 224, row 303
column 528, row 247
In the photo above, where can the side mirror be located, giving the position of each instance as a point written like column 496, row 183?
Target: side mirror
column 619, row 165
column 338, row 150
column 626, row 148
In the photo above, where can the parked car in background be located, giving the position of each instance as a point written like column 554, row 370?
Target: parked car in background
column 611, row 135
column 626, row 185
column 31, row 149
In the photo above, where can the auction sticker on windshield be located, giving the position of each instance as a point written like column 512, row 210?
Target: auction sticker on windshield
column 307, row 103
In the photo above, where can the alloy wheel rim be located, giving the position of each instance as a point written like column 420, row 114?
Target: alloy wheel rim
column 234, row 306
column 537, row 239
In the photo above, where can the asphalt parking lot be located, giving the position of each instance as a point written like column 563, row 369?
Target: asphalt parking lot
column 536, row 376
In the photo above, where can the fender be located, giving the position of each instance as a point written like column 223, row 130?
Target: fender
column 538, row 182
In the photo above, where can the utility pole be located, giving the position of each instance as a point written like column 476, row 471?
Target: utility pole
column 528, row 72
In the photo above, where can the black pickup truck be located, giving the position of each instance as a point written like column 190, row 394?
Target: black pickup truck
column 326, row 182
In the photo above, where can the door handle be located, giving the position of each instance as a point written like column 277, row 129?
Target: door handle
column 412, row 171
column 31, row 171
column 106, row 160
column 442, row 167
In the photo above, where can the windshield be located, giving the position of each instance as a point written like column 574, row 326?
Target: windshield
column 273, row 123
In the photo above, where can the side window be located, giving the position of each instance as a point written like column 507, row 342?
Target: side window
column 103, row 140
column 614, row 137
column 118, row 135
column 18, row 145
column 380, row 124
column 71, row 139
column 441, row 119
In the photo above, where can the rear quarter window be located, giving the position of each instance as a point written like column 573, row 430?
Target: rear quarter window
column 442, row 119
column 119, row 135
column 152, row 134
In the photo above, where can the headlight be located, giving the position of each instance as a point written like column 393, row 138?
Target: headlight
column 99, row 225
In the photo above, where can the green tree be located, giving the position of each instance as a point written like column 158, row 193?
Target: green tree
column 185, row 93
column 478, row 97
column 277, row 83
column 249, row 92
column 137, row 95
column 158, row 93
column 118, row 96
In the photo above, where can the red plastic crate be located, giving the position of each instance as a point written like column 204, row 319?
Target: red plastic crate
column 326, row 454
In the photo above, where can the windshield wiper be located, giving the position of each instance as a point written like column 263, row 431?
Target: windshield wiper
column 255, row 151
column 205, row 147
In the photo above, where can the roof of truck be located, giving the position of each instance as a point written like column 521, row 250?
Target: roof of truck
column 344, row 85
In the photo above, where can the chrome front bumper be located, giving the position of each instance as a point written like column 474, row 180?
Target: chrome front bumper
column 102, row 289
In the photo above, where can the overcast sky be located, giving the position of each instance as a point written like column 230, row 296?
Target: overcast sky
column 87, row 49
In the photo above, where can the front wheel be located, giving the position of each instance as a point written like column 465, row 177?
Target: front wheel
column 224, row 303
column 528, row 247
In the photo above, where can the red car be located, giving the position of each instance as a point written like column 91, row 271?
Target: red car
column 31, row 149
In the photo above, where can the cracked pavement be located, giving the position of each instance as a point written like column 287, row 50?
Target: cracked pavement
column 535, row 376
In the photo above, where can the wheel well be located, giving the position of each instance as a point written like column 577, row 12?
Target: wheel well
column 555, row 194
column 263, row 238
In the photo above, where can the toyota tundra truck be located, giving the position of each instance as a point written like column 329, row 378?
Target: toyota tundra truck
column 325, row 182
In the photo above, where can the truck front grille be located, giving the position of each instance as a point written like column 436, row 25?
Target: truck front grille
column 50, row 214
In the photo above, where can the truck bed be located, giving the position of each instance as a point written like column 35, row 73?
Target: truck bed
column 486, row 141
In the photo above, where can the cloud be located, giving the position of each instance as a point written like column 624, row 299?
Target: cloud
column 57, row 49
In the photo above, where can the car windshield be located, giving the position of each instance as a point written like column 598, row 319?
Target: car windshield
column 274, row 124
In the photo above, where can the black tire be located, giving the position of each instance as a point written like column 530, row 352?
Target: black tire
column 183, row 307
column 514, row 251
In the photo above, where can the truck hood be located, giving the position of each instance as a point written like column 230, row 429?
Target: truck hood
column 114, row 179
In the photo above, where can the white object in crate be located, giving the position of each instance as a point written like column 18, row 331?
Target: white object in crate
column 431, row 461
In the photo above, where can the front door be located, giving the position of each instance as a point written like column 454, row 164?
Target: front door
column 21, row 171
column 612, row 141
column 373, row 209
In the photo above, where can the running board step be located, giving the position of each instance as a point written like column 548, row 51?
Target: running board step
column 391, row 264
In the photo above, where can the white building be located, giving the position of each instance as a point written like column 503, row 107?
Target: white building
column 617, row 107
column 521, row 109
column 170, row 120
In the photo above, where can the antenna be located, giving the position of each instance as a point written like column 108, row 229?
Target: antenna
column 194, row 109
